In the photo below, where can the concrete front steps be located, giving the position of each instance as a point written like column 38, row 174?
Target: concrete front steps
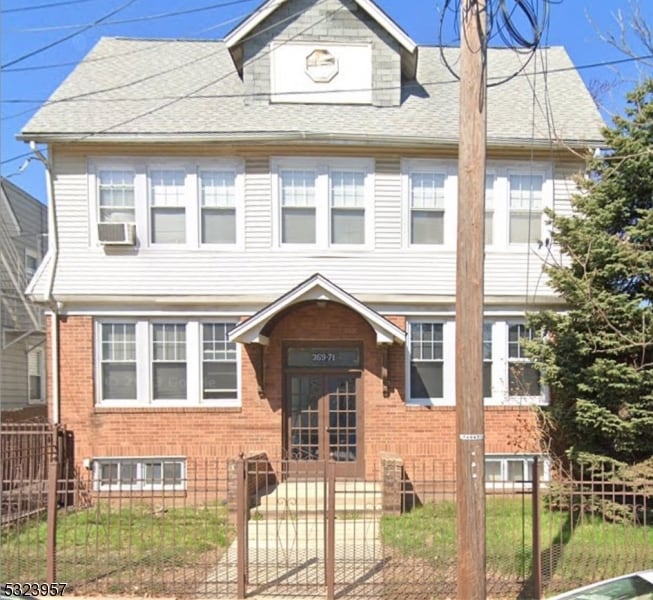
column 295, row 498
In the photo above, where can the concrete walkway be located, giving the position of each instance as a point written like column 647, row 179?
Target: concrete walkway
column 287, row 545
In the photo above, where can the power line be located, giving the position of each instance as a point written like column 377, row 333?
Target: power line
column 144, row 18
column 5, row 11
column 85, row 97
column 68, row 37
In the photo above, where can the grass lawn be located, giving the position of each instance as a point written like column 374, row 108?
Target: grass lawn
column 120, row 549
column 581, row 551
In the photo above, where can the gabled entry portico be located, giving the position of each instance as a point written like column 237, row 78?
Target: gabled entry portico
column 322, row 359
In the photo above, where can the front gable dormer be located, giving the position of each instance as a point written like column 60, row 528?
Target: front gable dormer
column 327, row 52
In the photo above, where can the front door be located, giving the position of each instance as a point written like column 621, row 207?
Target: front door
column 323, row 422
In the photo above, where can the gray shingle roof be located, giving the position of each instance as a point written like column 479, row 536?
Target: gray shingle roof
column 170, row 89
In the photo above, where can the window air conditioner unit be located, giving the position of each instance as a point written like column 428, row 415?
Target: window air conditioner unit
column 116, row 234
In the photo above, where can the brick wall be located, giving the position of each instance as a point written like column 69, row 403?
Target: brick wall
column 414, row 433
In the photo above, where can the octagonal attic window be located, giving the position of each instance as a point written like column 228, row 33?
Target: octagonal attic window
column 321, row 66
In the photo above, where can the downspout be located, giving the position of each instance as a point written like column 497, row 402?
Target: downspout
column 53, row 252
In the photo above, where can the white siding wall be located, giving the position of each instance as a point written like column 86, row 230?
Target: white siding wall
column 261, row 269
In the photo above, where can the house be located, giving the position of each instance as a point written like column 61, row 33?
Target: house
column 256, row 243
column 23, row 238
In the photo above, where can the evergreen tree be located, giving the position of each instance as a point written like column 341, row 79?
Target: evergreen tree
column 597, row 356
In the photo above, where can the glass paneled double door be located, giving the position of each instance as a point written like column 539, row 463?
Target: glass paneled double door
column 322, row 416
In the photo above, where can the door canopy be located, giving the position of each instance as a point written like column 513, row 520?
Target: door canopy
column 315, row 288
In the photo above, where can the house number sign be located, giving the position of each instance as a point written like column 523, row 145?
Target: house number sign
column 320, row 357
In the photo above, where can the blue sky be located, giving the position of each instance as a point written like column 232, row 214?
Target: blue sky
column 28, row 27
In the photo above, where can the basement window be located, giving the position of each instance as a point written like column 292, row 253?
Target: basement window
column 139, row 474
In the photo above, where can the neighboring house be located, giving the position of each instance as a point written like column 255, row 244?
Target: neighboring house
column 256, row 243
column 23, row 231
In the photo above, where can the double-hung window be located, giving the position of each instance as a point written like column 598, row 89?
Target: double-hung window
column 298, row 209
column 218, row 207
column 427, row 204
column 523, row 378
column 219, row 362
column 118, row 361
column 169, row 370
column 426, row 361
column 526, row 203
column 157, row 362
column 116, row 196
column 168, row 206
column 347, row 207
column 324, row 203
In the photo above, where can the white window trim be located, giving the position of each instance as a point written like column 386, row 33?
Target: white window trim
column 500, row 365
column 323, row 167
column 505, row 484
column 144, row 365
column 98, row 462
column 141, row 167
column 448, row 168
column 41, row 361
column 533, row 169
column 448, row 364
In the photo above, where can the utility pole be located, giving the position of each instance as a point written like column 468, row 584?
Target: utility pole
column 470, row 430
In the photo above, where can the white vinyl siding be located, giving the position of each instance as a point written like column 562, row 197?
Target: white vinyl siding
column 171, row 362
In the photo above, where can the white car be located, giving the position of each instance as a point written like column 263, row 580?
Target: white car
column 636, row 586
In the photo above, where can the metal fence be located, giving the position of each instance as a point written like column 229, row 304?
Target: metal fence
column 259, row 527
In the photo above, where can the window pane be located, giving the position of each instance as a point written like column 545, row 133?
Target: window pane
column 167, row 188
column 427, row 227
column 218, row 189
column 515, row 470
column 347, row 189
column 119, row 341
column 298, row 188
column 489, row 224
column 119, row 381
column 168, row 226
column 525, row 227
column 298, row 226
column 34, row 383
column 169, row 341
column 116, row 196
column 109, row 473
column 426, row 380
column 492, row 470
column 524, row 380
column 171, row 473
column 347, row 226
column 218, row 226
column 215, row 342
column 427, row 190
column 487, row 379
column 169, row 381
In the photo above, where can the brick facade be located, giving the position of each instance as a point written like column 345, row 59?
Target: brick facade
column 390, row 425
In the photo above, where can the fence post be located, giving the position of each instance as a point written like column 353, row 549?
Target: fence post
column 51, row 551
column 330, row 562
column 242, row 507
column 537, row 545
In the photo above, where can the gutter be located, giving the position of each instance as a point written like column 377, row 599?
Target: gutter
column 53, row 251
